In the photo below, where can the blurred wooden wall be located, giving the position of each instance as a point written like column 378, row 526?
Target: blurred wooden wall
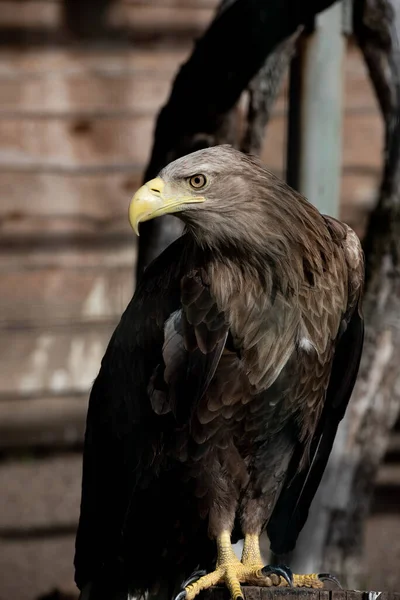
column 76, row 122
column 75, row 132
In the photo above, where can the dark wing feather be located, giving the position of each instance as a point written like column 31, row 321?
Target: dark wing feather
column 195, row 337
column 291, row 510
column 121, row 434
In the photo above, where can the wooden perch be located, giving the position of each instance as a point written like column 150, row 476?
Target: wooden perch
column 260, row 593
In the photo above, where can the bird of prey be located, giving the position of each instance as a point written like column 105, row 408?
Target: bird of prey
column 221, row 390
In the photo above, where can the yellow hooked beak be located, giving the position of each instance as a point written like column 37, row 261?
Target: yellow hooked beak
column 152, row 200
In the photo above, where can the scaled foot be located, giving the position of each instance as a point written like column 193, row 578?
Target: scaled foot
column 232, row 572
column 250, row 570
column 280, row 575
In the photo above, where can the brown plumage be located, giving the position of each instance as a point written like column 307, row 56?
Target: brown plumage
column 215, row 409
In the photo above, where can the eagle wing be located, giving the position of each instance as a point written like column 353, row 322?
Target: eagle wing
column 302, row 481
column 158, row 363
column 118, row 444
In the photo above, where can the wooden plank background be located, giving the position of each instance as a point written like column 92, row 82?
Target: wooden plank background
column 76, row 125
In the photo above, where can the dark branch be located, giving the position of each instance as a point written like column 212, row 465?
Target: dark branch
column 263, row 91
column 377, row 26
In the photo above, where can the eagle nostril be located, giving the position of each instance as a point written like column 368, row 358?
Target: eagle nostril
column 155, row 190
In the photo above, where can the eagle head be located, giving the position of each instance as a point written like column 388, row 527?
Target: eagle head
column 225, row 197
column 211, row 191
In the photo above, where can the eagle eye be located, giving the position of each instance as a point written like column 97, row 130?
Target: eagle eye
column 198, row 181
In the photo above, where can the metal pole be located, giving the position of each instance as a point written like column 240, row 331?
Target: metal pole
column 315, row 113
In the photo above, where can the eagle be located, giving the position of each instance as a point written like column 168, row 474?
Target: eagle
column 221, row 390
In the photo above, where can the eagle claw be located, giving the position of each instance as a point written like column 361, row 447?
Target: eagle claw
column 195, row 576
column 329, row 577
column 281, row 571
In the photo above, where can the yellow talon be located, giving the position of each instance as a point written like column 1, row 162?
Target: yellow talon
column 232, row 572
column 203, row 583
column 226, row 571
column 251, row 556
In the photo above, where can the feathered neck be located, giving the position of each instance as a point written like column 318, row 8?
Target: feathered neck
column 281, row 238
